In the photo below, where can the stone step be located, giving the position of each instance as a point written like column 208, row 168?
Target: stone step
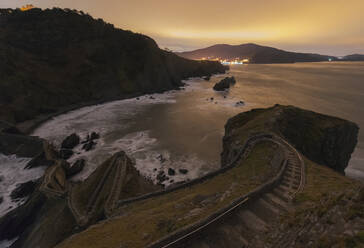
column 291, row 178
column 215, row 239
column 196, row 244
column 233, row 238
column 265, row 210
column 282, row 194
column 238, row 222
column 286, row 189
column 293, row 182
column 294, row 168
column 276, row 201
column 252, row 221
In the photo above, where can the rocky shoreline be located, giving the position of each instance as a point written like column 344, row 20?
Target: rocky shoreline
column 80, row 205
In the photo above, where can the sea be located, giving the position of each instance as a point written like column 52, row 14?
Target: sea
column 183, row 129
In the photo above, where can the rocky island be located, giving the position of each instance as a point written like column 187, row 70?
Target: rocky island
column 224, row 84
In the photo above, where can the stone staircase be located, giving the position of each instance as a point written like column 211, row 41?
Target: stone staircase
column 246, row 225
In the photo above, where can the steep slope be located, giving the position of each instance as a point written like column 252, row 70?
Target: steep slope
column 309, row 205
column 51, row 59
column 255, row 54
column 59, row 208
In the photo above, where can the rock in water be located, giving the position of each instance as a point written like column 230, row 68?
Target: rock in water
column 94, row 136
column 207, row 78
column 224, row 84
column 23, row 190
column 65, row 153
column 88, row 146
column 21, row 145
column 76, row 168
column 161, row 177
column 37, row 161
column 183, row 171
column 171, row 172
column 71, row 141
column 6, row 127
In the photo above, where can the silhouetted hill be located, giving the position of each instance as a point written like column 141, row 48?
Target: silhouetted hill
column 255, row 54
column 51, row 59
column 354, row 57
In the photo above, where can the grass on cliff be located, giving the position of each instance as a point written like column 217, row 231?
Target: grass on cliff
column 143, row 222
column 326, row 190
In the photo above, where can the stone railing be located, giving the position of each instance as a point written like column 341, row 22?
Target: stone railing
column 244, row 151
column 190, row 231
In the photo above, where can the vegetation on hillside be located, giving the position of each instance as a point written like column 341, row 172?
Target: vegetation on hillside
column 54, row 58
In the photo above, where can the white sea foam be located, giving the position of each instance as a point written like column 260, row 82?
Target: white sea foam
column 97, row 117
column 7, row 243
column 141, row 147
column 12, row 173
column 120, row 115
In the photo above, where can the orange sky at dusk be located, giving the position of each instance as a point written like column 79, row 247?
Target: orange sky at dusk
column 334, row 27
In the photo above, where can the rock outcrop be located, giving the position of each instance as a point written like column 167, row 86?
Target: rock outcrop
column 79, row 60
column 58, row 208
column 323, row 139
column 70, row 141
column 224, row 84
column 21, row 145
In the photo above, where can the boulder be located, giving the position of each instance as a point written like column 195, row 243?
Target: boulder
column 161, row 177
column 23, row 190
column 239, row 103
column 207, row 78
column 171, row 172
column 70, row 141
column 224, row 84
column 6, row 127
column 65, row 153
column 76, row 168
column 183, row 171
column 39, row 160
column 161, row 158
column 88, row 146
column 20, row 145
column 94, row 136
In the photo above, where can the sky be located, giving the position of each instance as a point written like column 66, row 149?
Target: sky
column 332, row 27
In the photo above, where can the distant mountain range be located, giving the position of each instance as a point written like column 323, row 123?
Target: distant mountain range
column 259, row 54
column 354, row 57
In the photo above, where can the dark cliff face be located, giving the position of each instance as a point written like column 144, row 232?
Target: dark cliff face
column 47, row 218
column 53, row 58
column 323, row 139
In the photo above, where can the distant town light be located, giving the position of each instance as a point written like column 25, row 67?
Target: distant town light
column 330, row 59
column 235, row 61
column 27, row 7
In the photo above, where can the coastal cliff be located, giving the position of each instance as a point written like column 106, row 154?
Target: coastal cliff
column 323, row 139
column 323, row 198
column 56, row 58
column 59, row 208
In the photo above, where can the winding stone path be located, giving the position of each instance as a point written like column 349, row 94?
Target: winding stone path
column 243, row 224
column 116, row 173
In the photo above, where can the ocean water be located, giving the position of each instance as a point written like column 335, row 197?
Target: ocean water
column 186, row 127
column 12, row 173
